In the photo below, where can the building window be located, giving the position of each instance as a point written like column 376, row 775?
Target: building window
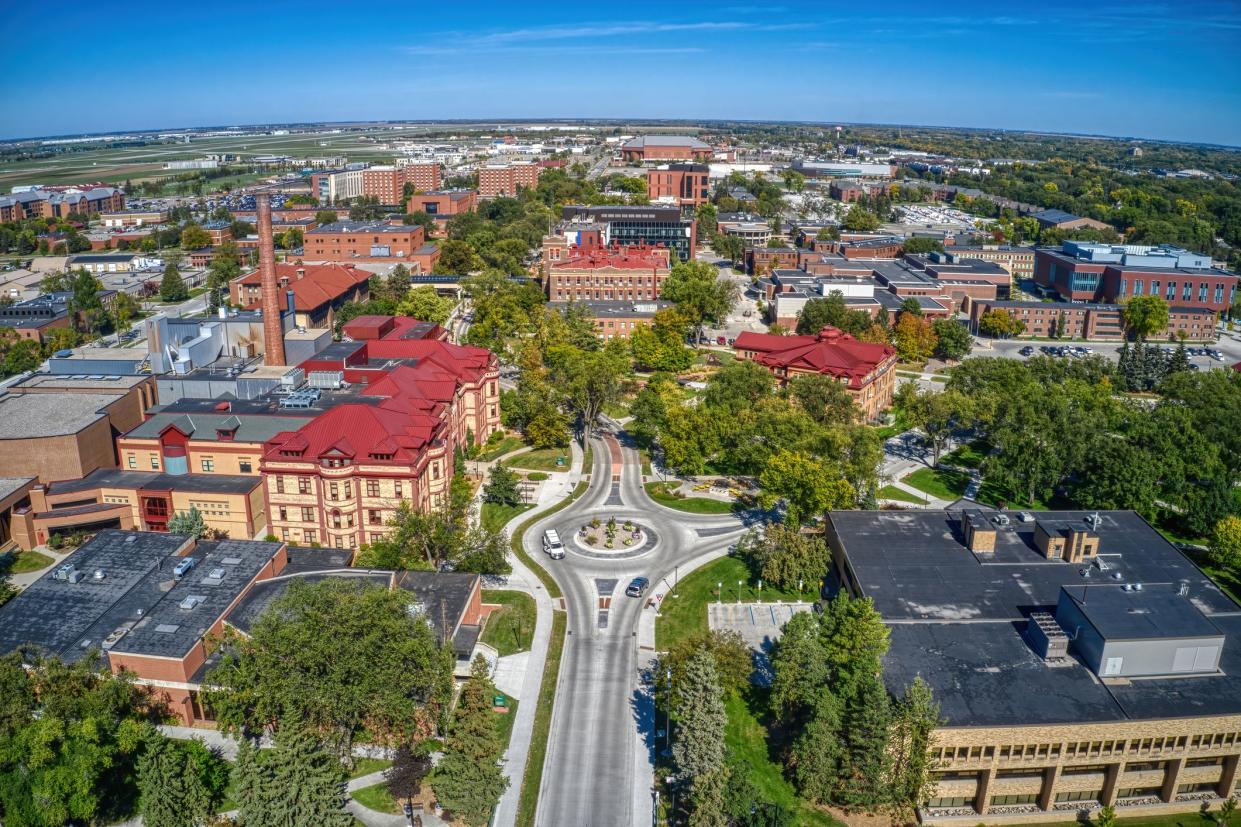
column 435, row 470
column 376, row 536
column 208, row 465
column 333, row 491
column 372, row 488
column 310, row 535
column 374, row 516
column 303, row 485
column 284, row 514
column 339, row 542
column 279, row 484
column 243, row 465
column 284, row 534
column 396, row 488
column 308, row 514
column 155, row 462
column 133, row 461
column 348, row 491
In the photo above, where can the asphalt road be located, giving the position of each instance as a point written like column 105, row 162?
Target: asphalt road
column 597, row 770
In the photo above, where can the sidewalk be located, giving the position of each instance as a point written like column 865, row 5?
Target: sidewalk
column 517, row 753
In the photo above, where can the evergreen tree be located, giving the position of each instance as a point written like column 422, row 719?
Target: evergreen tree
column 1179, row 360
column 469, row 780
column 190, row 523
column 1124, row 367
column 698, row 753
column 251, row 784
column 306, row 784
column 1060, row 325
column 866, row 762
column 171, row 287
column 173, row 793
column 915, row 718
column 817, row 753
column 502, row 488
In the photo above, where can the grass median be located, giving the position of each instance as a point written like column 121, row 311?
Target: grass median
column 660, row 493
column 528, row 803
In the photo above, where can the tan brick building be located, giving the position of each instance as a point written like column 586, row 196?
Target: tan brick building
column 1079, row 660
column 634, row 273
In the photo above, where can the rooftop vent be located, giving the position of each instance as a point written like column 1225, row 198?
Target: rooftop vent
column 215, row 574
column 131, row 538
column 167, row 628
column 231, row 561
column 99, row 574
column 1001, row 519
column 112, row 639
column 190, row 601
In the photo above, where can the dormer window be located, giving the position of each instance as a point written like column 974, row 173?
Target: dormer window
column 225, row 435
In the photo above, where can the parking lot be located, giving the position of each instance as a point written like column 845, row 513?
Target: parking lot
column 1228, row 349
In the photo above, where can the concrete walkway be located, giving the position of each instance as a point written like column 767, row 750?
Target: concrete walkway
column 25, row 578
column 515, row 756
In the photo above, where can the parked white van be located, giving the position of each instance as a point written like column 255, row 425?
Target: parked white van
column 552, row 544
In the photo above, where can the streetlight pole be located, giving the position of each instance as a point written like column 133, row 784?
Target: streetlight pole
column 739, row 592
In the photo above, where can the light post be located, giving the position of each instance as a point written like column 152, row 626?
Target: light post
column 739, row 591
column 719, row 592
column 760, row 591
column 668, row 715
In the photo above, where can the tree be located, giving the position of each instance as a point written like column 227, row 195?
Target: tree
column 23, row 356
column 738, row 384
column 911, row 305
column 787, row 557
column 438, row 539
column 914, row 338
column 296, row 783
column 125, row 307
column 824, row 398
column 914, row 721
column 225, row 266
column 70, row 736
column 803, row 484
column 426, row 304
column 922, row 245
column 457, row 257
column 405, row 776
column 1225, row 542
column 1145, row 316
column 338, row 656
column 793, row 180
column 936, row 413
column 734, row 662
column 190, row 523
column 660, row 349
column 698, row 753
column 698, row 292
column 194, row 237
column 174, row 794
column 171, row 287
column 323, row 217
column 1000, row 324
column 84, row 303
column 590, row 380
column 817, row 314
column 502, row 488
column 1106, row 817
column 469, row 780
column 860, row 220
column 952, row 340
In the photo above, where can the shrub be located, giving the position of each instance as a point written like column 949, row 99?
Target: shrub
column 536, row 476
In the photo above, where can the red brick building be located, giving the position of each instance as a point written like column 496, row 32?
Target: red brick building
column 60, row 202
column 338, row 479
column 646, row 148
column 443, row 205
column 1081, row 271
column 319, row 290
column 688, row 185
column 1094, row 322
column 766, row 259
column 616, row 273
column 384, row 182
column 867, row 370
column 371, row 241
column 503, row 180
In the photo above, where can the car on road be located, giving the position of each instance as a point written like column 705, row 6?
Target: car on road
column 637, row 587
column 552, row 545
column 719, row 340
column 1026, row 351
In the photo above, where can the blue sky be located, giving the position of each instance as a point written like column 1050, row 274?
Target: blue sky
column 1170, row 71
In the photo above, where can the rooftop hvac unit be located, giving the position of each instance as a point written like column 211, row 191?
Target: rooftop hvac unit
column 293, row 379
column 76, row 576
column 183, row 568
column 1094, row 520
column 328, row 379
column 1001, row 519
column 64, row 572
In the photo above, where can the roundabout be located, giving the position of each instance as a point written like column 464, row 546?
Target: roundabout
column 613, row 538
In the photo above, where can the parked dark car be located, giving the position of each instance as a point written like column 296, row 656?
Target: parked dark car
column 1026, row 351
column 637, row 587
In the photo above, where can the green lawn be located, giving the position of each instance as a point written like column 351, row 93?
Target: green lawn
column 492, row 450
column 969, row 455
column 495, row 515
column 938, row 482
column 542, row 459
column 511, row 628
column 1192, row 819
column 684, row 611
column 694, row 505
column 504, row 722
column 366, row 766
column 376, row 798
column 898, row 426
column 891, row 492
column 746, row 738
column 27, row 561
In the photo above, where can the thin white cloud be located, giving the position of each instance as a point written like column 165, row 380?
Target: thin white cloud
column 558, row 49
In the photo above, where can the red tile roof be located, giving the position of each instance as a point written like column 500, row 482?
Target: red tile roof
column 831, row 351
column 632, row 257
column 363, row 432
column 317, row 285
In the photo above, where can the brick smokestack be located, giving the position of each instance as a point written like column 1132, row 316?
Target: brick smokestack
column 273, row 331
